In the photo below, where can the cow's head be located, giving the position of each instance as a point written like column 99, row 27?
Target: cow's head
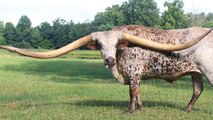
column 108, row 42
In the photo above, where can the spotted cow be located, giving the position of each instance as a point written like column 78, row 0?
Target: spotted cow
column 136, row 53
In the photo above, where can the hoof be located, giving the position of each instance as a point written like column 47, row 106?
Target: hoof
column 187, row 110
column 130, row 111
column 139, row 107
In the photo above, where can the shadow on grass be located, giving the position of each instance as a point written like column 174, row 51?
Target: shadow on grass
column 77, row 71
column 120, row 105
column 181, row 83
column 64, row 71
column 110, row 103
column 123, row 105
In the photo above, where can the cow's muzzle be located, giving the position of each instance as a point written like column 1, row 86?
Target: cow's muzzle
column 109, row 62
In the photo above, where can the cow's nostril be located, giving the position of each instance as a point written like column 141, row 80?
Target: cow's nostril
column 107, row 60
column 110, row 60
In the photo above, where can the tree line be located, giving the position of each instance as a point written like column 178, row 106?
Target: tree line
column 60, row 32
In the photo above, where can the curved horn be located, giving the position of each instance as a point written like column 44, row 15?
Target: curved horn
column 51, row 54
column 162, row 47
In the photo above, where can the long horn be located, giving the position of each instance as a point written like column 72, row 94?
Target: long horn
column 51, row 54
column 162, row 47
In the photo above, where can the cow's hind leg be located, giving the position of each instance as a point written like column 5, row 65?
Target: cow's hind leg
column 204, row 60
column 134, row 93
column 208, row 72
column 197, row 90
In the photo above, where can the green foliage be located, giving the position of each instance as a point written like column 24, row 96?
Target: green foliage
column 61, row 32
column 208, row 24
column 105, row 27
column 23, row 32
column 36, row 40
column 79, row 30
column 23, row 23
column 22, row 44
column 173, row 17
column 196, row 19
column 112, row 16
column 46, row 44
column 46, row 30
column 9, row 33
column 209, row 17
column 141, row 12
column 2, row 39
column 1, row 27
column 200, row 19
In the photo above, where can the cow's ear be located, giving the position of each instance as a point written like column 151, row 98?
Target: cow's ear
column 93, row 45
column 122, row 43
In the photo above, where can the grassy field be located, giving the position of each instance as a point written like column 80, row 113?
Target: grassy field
column 72, row 88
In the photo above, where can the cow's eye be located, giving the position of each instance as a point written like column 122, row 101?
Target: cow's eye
column 98, row 46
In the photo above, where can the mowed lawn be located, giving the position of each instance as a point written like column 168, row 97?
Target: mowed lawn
column 77, row 86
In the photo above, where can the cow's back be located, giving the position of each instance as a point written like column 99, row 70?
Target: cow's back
column 178, row 36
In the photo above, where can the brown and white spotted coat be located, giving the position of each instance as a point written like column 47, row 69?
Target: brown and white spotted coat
column 151, row 64
column 137, row 63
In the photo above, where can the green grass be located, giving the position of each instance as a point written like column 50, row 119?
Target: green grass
column 72, row 88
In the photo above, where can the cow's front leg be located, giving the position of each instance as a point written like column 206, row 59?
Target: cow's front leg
column 134, row 93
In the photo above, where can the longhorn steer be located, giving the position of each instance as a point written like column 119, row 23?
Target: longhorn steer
column 136, row 52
